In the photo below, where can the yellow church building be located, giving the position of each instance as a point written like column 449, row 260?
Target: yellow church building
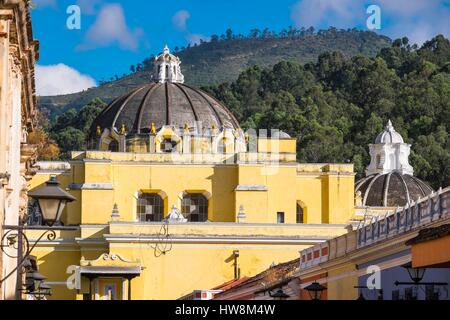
column 172, row 196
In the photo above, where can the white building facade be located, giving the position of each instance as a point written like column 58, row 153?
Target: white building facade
column 18, row 52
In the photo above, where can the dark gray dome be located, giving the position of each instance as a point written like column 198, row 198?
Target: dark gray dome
column 391, row 189
column 163, row 104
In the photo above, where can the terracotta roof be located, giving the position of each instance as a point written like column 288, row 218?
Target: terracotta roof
column 230, row 284
column 430, row 234
column 267, row 279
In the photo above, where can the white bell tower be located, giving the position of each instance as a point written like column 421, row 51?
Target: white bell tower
column 167, row 68
column 389, row 153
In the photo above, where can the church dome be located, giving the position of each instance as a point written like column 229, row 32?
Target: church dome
column 392, row 189
column 167, row 101
column 164, row 104
column 389, row 135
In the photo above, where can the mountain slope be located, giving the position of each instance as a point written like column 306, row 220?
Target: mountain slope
column 223, row 60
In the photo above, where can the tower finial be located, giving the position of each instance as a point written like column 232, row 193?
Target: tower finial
column 389, row 125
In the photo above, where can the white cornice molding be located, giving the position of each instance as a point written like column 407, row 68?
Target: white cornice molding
column 115, row 238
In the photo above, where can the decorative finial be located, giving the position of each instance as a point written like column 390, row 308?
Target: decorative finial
column 123, row 129
column 241, row 214
column 213, row 129
column 152, row 128
column 247, row 137
column 166, row 49
column 99, row 131
column 389, row 126
column 186, row 128
column 115, row 215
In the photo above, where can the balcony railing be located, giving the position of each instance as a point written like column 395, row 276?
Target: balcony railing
column 411, row 217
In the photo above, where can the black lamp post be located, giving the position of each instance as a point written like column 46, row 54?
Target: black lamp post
column 279, row 294
column 315, row 290
column 51, row 200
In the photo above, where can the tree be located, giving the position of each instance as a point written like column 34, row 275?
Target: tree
column 70, row 139
column 229, row 34
column 336, row 106
column 47, row 149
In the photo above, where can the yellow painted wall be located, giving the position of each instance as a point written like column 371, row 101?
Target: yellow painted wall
column 106, row 178
column 342, row 288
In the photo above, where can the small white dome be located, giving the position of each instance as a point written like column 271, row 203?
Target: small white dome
column 389, row 135
column 280, row 135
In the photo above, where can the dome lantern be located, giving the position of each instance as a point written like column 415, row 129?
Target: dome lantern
column 389, row 153
column 167, row 68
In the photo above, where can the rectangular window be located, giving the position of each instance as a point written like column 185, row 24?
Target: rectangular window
column 280, row 217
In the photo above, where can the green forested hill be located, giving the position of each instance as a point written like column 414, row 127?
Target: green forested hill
column 225, row 57
column 336, row 106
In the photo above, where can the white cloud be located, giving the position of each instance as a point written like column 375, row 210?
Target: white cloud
column 179, row 20
column 109, row 28
column 419, row 20
column 59, row 79
column 88, row 6
column 337, row 13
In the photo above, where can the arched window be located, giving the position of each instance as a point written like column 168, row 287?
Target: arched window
column 300, row 215
column 150, row 207
column 378, row 164
column 167, row 72
column 113, row 146
column 194, row 207
column 168, row 146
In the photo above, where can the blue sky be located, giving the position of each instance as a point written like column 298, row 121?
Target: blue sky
column 116, row 34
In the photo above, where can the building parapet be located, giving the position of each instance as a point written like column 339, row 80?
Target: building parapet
column 53, row 166
column 413, row 217
column 188, row 158
column 341, row 168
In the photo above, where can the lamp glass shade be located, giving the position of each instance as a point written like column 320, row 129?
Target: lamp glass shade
column 416, row 274
column 52, row 200
column 51, row 210
column 315, row 290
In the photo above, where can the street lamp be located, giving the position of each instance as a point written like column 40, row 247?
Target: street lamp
column 416, row 274
column 36, row 286
column 33, row 281
column 52, row 200
column 315, row 290
column 279, row 294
